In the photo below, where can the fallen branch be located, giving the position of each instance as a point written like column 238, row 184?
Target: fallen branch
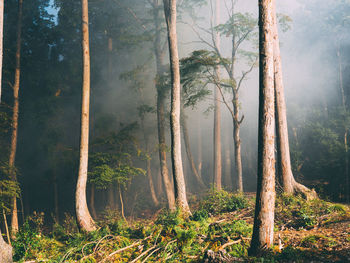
column 150, row 254
column 121, row 250
column 230, row 243
column 142, row 254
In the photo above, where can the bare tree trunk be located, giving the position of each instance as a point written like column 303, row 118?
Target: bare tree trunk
column 265, row 197
column 188, row 150
column 1, row 41
column 85, row 221
column 151, row 184
column 290, row 186
column 122, row 203
column 237, row 142
column 179, row 180
column 217, row 113
column 5, row 251
column 161, row 108
column 199, row 149
column 14, row 219
column 346, row 131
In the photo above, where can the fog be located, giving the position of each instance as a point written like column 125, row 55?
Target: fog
column 311, row 77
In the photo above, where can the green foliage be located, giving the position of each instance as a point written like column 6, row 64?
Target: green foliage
column 217, row 202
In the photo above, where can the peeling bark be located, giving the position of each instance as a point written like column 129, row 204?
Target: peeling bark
column 265, row 198
column 178, row 175
column 5, row 251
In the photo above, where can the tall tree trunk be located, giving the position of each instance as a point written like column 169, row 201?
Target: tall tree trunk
column 217, row 113
column 161, row 108
column 5, row 251
column 151, row 184
column 346, row 131
column 199, row 149
column 84, row 218
column 265, row 197
column 1, row 41
column 237, row 142
column 188, row 149
column 290, row 186
column 179, row 180
column 14, row 219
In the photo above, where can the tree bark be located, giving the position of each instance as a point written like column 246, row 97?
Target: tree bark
column 5, row 251
column 237, row 142
column 290, row 186
column 161, row 108
column 217, row 113
column 14, row 219
column 188, row 150
column 85, row 221
column 265, row 198
column 1, row 41
column 179, row 180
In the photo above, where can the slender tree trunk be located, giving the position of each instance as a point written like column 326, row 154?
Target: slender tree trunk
column 92, row 201
column 290, row 186
column 265, row 197
column 122, row 203
column 199, row 149
column 14, row 219
column 237, row 143
column 179, row 180
column 188, row 150
column 217, row 114
column 1, row 41
column 161, row 108
column 228, row 177
column 85, row 221
column 5, row 251
column 346, row 131
column 151, row 184
column 159, row 183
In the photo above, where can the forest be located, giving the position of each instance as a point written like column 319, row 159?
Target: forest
column 174, row 131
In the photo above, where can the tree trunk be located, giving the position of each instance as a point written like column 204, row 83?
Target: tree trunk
column 14, row 219
column 237, row 142
column 85, row 222
column 5, row 251
column 151, row 184
column 1, row 41
column 179, row 181
column 265, row 197
column 199, row 149
column 290, row 186
column 160, row 109
column 111, row 198
column 217, row 114
column 346, row 146
column 188, row 150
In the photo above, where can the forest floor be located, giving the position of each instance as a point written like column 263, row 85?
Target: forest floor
column 219, row 230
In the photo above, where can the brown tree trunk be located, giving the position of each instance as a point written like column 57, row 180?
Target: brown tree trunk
column 151, row 184
column 199, row 149
column 14, row 219
column 265, row 197
column 290, row 186
column 217, row 114
column 237, row 142
column 1, row 41
column 85, row 221
column 5, row 251
column 188, row 149
column 179, row 180
column 161, row 108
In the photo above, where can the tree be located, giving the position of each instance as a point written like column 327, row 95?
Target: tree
column 14, row 220
column 290, row 186
column 265, row 197
column 84, row 218
column 5, row 251
column 217, row 112
column 179, row 180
